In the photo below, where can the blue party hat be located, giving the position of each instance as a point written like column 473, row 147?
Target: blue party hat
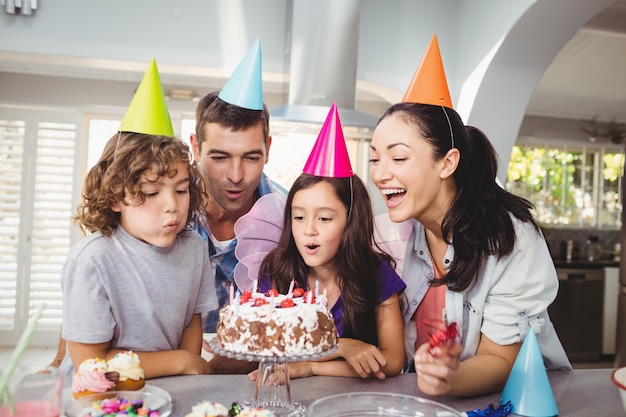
column 528, row 388
column 244, row 87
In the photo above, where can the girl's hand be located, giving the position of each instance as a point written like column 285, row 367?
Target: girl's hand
column 194, row 364
column 296, row 370
column 365, row 359
column 300, row 370
column 437, row 367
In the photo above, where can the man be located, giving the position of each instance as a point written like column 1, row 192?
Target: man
column 231, row 145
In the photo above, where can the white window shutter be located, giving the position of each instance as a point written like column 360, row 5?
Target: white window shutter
column 37, row 195
column 52, row 217
column 11, row 157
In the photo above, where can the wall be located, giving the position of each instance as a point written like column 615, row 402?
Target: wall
column 494, row 52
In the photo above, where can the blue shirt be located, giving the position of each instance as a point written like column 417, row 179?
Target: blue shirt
column 225, row 260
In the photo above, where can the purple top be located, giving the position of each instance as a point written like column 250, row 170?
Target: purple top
column 390, row 283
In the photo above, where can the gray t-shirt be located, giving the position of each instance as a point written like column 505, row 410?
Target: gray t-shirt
column 138, row 296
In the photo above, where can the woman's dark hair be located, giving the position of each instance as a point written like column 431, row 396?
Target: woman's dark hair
column 479, row 220
column 125, row 158
column 357, row 259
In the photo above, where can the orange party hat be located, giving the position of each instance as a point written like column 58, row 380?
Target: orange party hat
column 429, row 84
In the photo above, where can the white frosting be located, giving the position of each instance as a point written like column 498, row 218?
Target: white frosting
column 208, row 409
column 255, row 412
column 127, row 364
column 93, row 365
column 271, row 330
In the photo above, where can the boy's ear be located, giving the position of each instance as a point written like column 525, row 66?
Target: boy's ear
column 450, row 163
column 116, row 207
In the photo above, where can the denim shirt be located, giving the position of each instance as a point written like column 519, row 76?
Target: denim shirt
column 511, row 296
column 225, row 261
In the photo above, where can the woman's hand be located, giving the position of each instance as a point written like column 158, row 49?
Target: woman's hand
column 436, row 371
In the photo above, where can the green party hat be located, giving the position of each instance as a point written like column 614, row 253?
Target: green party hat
column 148, row 111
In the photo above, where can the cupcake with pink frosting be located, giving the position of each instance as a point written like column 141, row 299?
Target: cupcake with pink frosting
column 93, row 377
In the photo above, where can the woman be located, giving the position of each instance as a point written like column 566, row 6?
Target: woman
column 475, row 255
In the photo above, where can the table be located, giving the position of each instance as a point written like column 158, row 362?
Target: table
column 578, row 393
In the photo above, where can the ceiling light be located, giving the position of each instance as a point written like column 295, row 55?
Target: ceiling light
column 25, row 7
column 181, row 94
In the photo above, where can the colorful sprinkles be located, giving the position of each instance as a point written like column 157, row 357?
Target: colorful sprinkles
column 119, row 407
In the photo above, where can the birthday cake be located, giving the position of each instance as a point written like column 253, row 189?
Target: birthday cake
column 276, row 325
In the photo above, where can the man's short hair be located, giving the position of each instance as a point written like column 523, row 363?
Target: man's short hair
column 212, row 109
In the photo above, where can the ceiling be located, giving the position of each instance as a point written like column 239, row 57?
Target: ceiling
column 587, row 79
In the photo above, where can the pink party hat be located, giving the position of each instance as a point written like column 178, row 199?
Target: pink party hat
column 528, row 388
column 329, row 156
column 244, row 87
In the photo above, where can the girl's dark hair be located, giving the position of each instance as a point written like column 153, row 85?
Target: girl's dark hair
column 479, row 220
column 357, row 258
column 126, row 156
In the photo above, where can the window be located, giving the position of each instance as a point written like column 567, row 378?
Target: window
column 576, row 186
column 37, row 181
column 292, row 143
column 41, row 174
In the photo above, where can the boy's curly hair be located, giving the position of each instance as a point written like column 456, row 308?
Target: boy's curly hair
column 117, row 175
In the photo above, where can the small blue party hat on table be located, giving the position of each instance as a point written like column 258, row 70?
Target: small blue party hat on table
column 528, row 388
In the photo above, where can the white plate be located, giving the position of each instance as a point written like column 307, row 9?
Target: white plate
column 66, row 395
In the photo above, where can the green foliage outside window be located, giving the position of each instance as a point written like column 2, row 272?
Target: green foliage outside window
column 576, row 187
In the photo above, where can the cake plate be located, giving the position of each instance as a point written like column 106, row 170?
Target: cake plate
column 273, row 389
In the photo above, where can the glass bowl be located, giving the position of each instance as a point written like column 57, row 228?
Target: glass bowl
column 618, row 377
column 154, row 400
column 378, row 404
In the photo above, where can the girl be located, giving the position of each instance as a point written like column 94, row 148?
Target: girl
column 141, row 280
column 326, row 243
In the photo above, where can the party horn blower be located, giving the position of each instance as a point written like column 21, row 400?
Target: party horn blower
column 14, row 360
column 527, row 387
